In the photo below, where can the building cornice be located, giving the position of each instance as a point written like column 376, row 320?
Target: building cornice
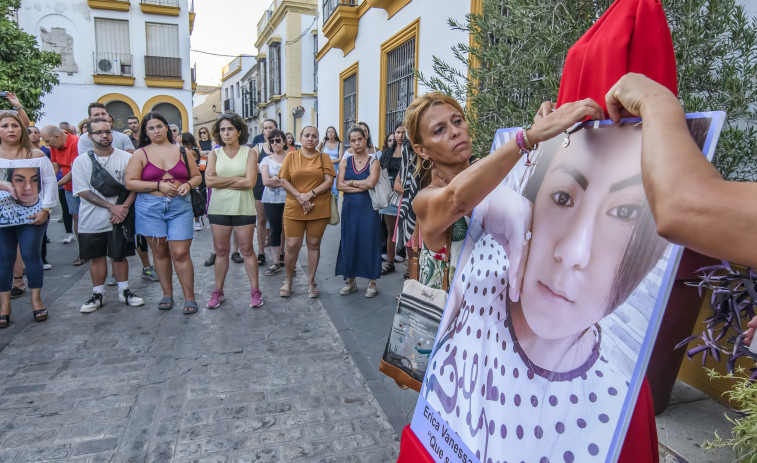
column 114, row 80
column 164, row 83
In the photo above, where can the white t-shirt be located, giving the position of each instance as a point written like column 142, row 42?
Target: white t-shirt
column 121, row 141
column 96, row 219
column 273, row 195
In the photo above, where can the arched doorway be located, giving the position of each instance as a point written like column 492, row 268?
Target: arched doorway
column 120, row 112
column 170, row 112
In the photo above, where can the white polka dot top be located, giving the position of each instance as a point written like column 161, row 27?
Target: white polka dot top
column 504, row 407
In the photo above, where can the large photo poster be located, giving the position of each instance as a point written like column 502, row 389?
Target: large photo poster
column 550, row 371
column 20, row 194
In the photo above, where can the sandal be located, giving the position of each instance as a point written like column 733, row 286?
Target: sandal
column 40, row 315
column 190, row 307
column 313, row 290
column 273, row 269
column 285, row 290
column 387, row 269
column 261, row 259
column 166, row 303
column 79, row 261
column 5, row 321
column 18, row 289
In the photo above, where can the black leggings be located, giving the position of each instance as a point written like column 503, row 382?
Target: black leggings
column 67, row 217
column 274, row 212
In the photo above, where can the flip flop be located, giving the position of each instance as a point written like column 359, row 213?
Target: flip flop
column 166, row 303
column 190, row 307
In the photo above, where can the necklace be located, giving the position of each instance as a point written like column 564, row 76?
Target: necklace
column 443, row 179
column 105, row 164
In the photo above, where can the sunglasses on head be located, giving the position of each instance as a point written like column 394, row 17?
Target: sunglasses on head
column 227, row 115
column 7, row 112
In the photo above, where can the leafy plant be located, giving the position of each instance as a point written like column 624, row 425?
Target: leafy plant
column 743, row 439
column 518, row 47
column 732, row 302
column 24, row 68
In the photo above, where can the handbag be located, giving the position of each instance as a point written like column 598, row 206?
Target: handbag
column 381, row 191
column 416, row 322
column 334, row 218
column 198, row 202
column 123, row 244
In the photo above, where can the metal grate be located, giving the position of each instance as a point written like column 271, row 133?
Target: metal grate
column 400, row 83
column 350, row 106
column 163, row 2
column 162, row 66
column 329, row 6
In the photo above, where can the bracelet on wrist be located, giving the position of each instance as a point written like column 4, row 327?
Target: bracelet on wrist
column 521, row 139
column 158, row 187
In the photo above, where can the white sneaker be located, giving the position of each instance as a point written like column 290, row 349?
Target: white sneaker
column 198, row 226
column 130, row 299
column 111, row 281
column 94, row 303
column 399, row 259
column 383, row 257
column 46, row 266
column 68, row 238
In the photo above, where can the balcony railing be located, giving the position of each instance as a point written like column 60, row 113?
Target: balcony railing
column 162, row 66
column 329, row 6
column 161, row 2
column 112, row 64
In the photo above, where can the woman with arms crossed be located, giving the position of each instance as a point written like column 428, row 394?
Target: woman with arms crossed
column 231, row 173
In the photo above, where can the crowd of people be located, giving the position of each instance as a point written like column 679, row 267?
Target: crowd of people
column 124, row 194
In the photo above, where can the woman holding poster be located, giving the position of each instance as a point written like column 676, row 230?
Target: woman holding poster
column 524, row 377
column 26, row 173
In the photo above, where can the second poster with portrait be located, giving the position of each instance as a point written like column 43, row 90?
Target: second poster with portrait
column 550, row 370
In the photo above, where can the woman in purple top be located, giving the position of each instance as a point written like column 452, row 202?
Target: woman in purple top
column 163, row 179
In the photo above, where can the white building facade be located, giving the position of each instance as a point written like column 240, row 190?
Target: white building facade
column 286, row 78
column 368, row 51
column 131, row 55
column 232, row 82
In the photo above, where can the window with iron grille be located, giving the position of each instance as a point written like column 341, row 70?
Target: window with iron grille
column 274, row 71
column 245, row 104
column 315, row 63
column 254, row 98
column 112, row 55
column 400, row 83
column 262, row 81
column 162, row 50
column 349, row 103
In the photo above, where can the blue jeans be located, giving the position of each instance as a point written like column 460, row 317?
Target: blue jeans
column 29, row 239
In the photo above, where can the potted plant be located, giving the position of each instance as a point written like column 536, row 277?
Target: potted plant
column 732, row 302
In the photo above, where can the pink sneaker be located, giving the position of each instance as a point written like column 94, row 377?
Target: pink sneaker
column 215, row 299
column 256, row 298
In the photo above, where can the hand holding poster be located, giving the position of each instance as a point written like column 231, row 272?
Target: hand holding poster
column 551, row 372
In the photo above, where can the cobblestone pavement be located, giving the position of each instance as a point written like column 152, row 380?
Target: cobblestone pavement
column 274, row 384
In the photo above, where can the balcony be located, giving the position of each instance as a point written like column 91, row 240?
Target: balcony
column 163, row 71
column 164, row 7
column 194, row 77
column 115, row 5
column 232, row 68
column 391, row 6
column 341, row 26
column 329, row 6
column 112, row 68
column 191, row 17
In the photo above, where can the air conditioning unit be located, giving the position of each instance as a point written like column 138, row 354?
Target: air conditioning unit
column 109, row 66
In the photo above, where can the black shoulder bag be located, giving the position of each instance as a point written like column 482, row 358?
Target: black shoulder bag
column 198, row 203
column 106, row 185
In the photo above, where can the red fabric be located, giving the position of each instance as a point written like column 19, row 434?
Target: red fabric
column 632, row 36
column 65, row 156
column 411, row 449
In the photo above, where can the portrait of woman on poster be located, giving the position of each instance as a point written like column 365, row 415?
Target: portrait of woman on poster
column 592, row 242
column 19, row 195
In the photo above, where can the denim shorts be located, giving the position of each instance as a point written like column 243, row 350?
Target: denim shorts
column 73, row 203
column 164, row 217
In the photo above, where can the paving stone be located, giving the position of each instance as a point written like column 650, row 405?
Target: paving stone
column 230, row 385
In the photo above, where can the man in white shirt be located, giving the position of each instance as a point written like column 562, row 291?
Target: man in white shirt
column 121, row 141
column 98, row 215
